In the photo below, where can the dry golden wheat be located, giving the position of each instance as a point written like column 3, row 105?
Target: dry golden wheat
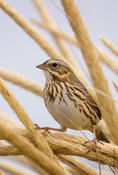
column 29, row 145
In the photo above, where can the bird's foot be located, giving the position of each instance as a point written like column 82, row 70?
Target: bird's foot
column 47, row 129
column 94, row 141
column 93, row 144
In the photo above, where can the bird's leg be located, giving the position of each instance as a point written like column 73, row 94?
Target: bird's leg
column 94, row 141
column 46, row 129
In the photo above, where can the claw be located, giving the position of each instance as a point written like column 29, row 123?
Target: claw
column 46, row 129
column 93, row 142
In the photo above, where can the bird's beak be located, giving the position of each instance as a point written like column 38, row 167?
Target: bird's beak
column 42, row 66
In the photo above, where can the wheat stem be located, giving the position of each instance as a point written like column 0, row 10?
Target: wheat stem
column 32, row 164
column 48, row 20
column 1, row 172
column 91, row 54
column 65, row 144
column 78, row 166
column 30, row 150
column 111, row 62
column 23, row 117
column 66, row 36
column 14, row 169
column 31, row 31
column 22, row 81
column 116, row 86
column 110, row 46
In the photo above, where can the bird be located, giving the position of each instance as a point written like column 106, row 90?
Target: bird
column 67, row 99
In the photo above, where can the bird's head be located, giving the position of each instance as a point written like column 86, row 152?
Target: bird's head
column 55, row 69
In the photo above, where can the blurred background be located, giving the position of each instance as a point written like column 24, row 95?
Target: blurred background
column 20, row 54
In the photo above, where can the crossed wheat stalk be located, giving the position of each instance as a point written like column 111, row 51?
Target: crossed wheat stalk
column 28, row 144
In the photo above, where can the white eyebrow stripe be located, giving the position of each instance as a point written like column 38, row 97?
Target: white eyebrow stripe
column 54, row 61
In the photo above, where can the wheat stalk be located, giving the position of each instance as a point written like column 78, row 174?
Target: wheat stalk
column 30, row 150
column 110, row 46
column 116, row 86
column 105, row 58
column 22, row 115
column 68, row 145
column 65, row 36
column 32, row 164
column 60, row 43
column 14, row 169
column 39, row 39
column 44, row 153
column 91, row 54
column 63, row 144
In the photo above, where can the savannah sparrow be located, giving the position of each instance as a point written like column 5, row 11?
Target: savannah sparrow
column 66, row 98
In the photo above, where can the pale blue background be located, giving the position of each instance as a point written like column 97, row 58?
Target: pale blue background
column 20, row 54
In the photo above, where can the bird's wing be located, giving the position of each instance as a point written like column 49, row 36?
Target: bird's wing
column 87, row 97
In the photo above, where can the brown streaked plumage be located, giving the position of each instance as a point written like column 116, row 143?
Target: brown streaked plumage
column 66, row 98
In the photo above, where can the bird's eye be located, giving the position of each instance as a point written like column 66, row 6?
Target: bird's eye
column 54, row 64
